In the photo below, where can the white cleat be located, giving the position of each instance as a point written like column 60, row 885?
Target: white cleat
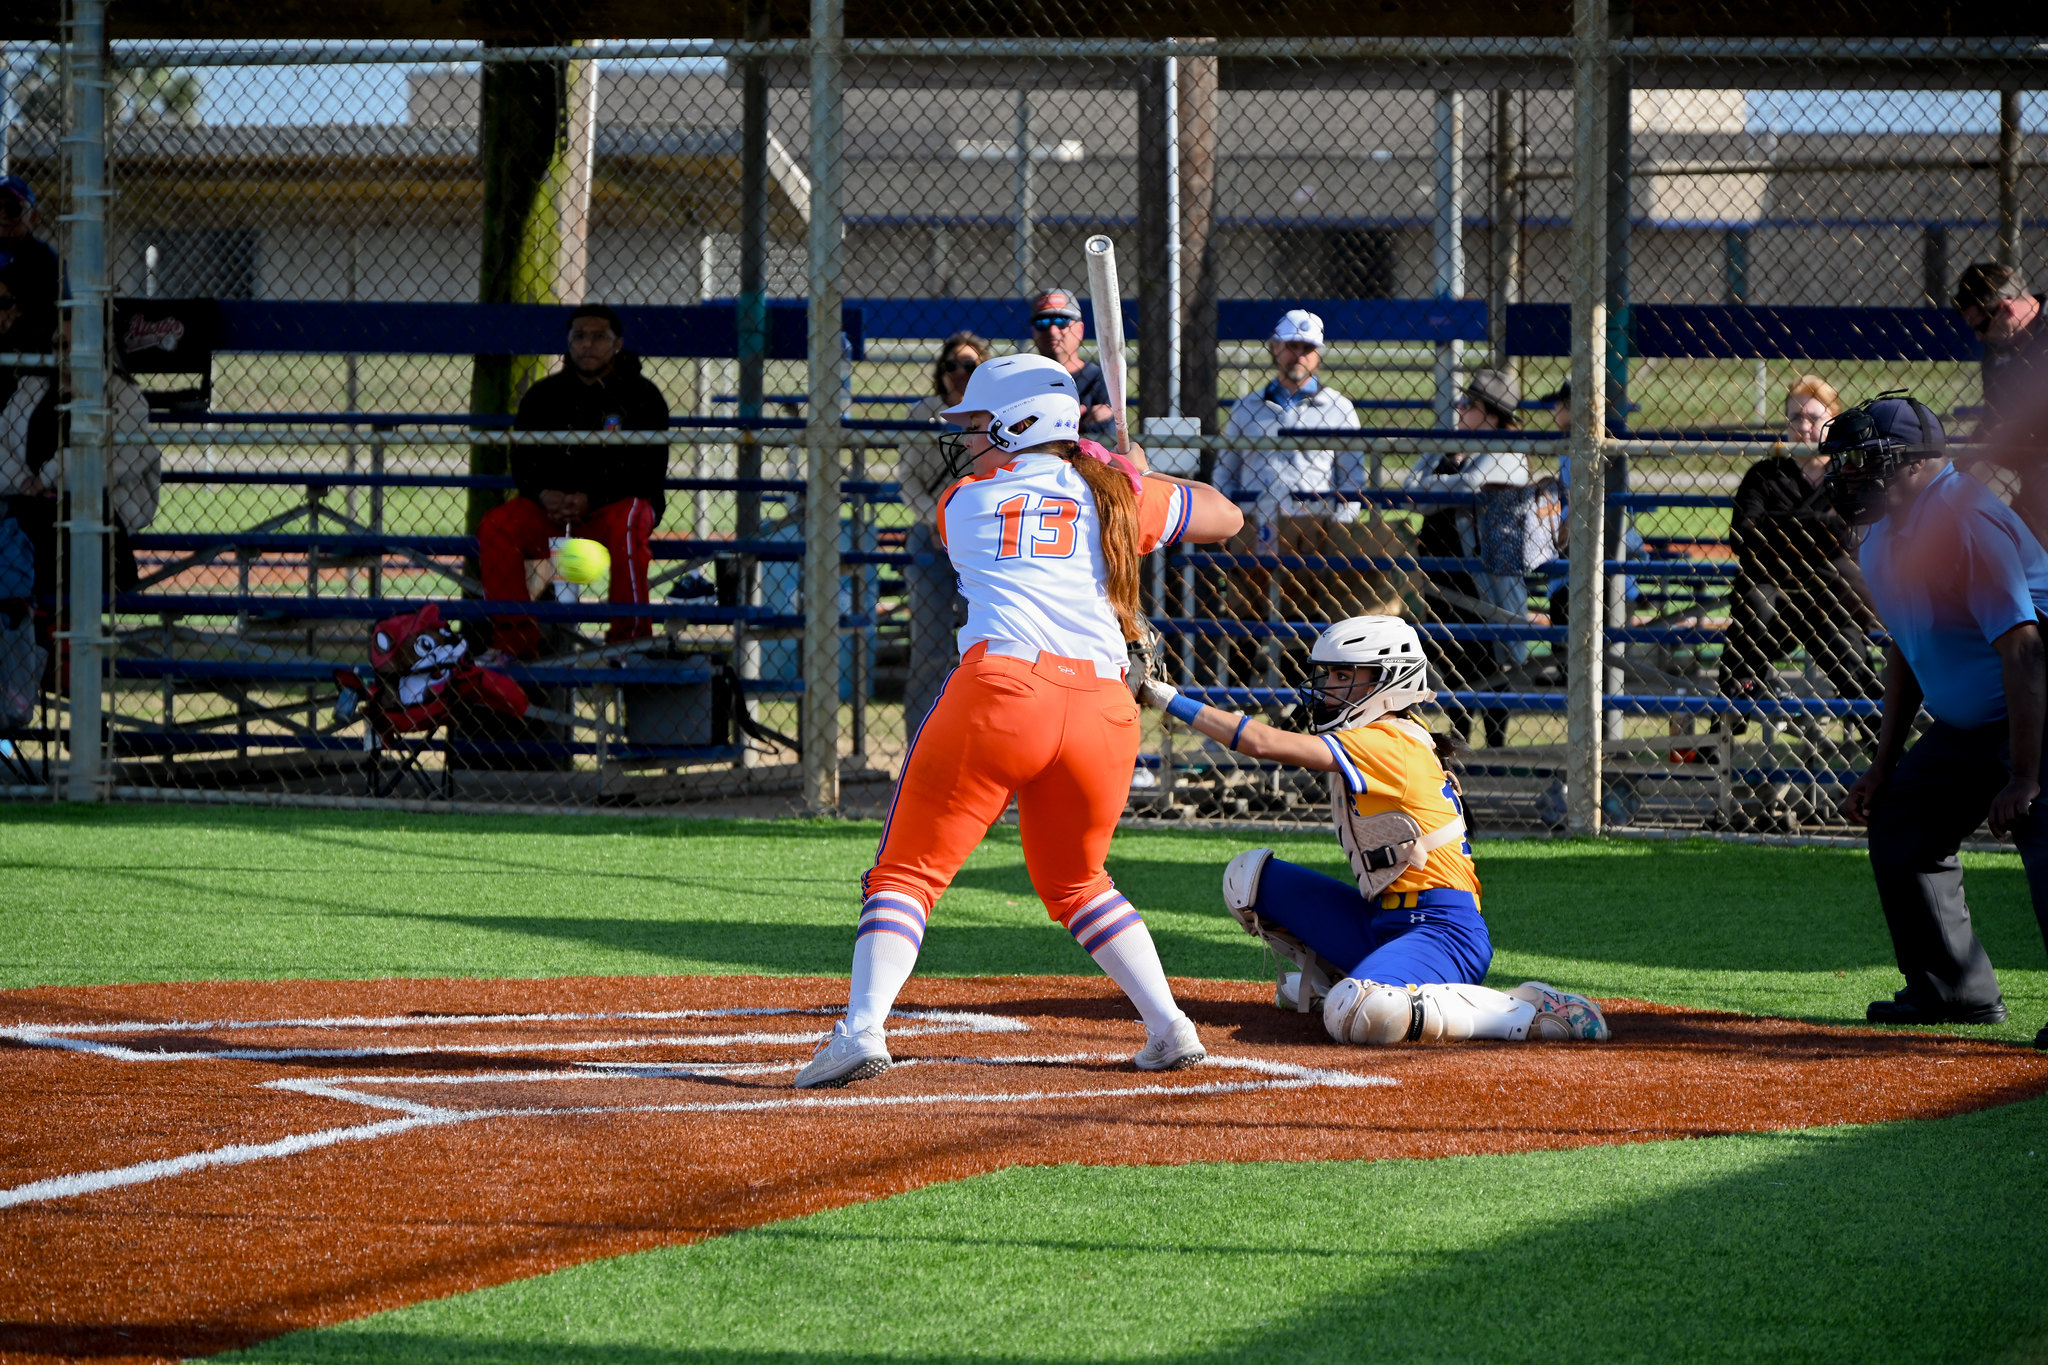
column 1179, row 1046
column 1560, row 1014
column 845, row 1057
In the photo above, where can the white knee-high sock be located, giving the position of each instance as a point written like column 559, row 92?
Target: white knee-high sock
column 884, row 954
column 1114, row 934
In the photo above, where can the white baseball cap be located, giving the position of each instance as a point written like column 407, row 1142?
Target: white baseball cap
column 998, row 383
column 1298, row 324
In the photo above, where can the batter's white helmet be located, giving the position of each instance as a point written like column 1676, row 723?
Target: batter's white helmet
column 1035, row 421
column 1008, row 379
column 1384, row 642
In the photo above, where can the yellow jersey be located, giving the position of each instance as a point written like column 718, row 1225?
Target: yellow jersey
column 1391, row 765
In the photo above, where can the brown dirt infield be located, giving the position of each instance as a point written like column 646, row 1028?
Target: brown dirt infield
column 479, row 1150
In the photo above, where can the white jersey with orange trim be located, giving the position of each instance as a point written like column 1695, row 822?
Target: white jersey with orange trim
column 1027, row 545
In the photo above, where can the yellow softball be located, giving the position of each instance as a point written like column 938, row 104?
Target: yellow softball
column 583, row 561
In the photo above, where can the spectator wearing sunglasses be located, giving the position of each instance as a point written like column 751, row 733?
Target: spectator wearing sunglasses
column 1057, row 332
column 928, row 578
column 2013, row 325
column 1994, row 303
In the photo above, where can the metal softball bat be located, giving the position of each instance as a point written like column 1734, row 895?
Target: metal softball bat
column 1107, row 297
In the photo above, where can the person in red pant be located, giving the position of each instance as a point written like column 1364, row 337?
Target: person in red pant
column 605, row 493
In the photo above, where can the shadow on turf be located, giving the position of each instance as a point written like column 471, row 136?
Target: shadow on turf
column 1842, row 1246
column 1032, row 946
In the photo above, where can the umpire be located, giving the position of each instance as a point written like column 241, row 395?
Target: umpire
column 1961, row 584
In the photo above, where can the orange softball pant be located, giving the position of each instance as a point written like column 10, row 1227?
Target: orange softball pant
column 1052, row 734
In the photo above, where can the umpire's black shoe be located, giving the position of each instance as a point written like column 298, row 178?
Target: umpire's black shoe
column 1904, row 1009
column 2041, row 1038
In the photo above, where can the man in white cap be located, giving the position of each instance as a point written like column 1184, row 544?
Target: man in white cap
column 1285, row 482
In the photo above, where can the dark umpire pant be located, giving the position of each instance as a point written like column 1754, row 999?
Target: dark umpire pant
column 1941, row 792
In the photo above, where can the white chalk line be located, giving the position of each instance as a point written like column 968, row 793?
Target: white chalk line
column 66, row 1037
column 239, row 1154
column 413, row 1115
column 414, row 1020
column 424, row 1116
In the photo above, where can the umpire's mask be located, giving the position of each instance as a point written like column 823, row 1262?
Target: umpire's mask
column 1869, row 444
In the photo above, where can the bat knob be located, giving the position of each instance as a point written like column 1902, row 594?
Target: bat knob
column 1099, row 245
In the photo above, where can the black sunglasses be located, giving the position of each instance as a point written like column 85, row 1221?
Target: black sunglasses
column 958, row 366
column 1044, row 323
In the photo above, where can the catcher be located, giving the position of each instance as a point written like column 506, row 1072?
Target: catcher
column 1398, row 958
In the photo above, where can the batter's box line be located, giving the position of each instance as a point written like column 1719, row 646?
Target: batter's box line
column 1278, row 1076
column 76, row 1037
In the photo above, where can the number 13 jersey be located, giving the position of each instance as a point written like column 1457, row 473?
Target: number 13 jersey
column 1027, row 545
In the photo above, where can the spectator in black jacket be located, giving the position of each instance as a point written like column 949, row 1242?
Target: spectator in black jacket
column 605, row 493
column 1799, row 586
column 31, row 264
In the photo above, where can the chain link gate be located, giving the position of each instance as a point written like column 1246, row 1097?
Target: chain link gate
column 1561, row 417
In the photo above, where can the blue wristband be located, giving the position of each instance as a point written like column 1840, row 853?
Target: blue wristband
column 1184, row 708
column 1238, row 734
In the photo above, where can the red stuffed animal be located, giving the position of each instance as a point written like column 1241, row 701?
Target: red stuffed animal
column 422, row 671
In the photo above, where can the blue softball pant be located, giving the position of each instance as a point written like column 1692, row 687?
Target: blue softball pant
column 1416, row 938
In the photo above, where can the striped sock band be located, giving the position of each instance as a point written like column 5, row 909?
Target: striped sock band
column 1115, row 935
column 892, row 912
column 1101, row 920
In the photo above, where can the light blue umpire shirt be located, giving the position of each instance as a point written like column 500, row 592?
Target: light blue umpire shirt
column 1951, row 576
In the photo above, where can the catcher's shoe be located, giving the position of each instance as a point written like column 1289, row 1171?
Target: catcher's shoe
column 1287, row 993
column 845, row 1057
column 1560, row 1014
column 1179, row 1046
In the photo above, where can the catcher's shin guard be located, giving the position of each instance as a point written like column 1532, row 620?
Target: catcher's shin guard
column 1373, row 1014
column 1313, row 973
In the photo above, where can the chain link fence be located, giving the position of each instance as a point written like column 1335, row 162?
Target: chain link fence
column 340, row 280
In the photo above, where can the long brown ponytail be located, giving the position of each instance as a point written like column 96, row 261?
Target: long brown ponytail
column 1116, row 511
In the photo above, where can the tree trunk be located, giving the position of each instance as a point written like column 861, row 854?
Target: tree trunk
column 1153, row 323
column 522, row 144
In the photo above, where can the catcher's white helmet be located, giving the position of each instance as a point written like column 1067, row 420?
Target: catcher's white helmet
column 1386, row 643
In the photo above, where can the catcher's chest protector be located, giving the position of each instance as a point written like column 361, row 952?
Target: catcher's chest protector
column 1384, row 846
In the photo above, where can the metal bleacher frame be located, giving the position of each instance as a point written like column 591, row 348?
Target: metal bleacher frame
column 331, row 539
column 1710, row 763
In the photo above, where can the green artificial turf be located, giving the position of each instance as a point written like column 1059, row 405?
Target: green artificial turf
column 1904, row 1241
column 125, row 893
column 1915, row 1241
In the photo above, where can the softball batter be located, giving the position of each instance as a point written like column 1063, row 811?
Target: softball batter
column 1400, row 956
column 1047, row 542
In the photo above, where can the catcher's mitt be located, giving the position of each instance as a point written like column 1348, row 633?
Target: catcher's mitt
column 1143, row 655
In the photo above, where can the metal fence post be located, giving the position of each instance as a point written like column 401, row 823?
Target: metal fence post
column 1591, row 71
column 1505, row 285
column 1020, row 207
column 1449, row 241
column 85, row 235
column 820, row 733
column 2009, row 150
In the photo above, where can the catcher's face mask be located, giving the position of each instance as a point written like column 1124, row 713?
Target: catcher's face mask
column 1334, row 690
column 1864, row 457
